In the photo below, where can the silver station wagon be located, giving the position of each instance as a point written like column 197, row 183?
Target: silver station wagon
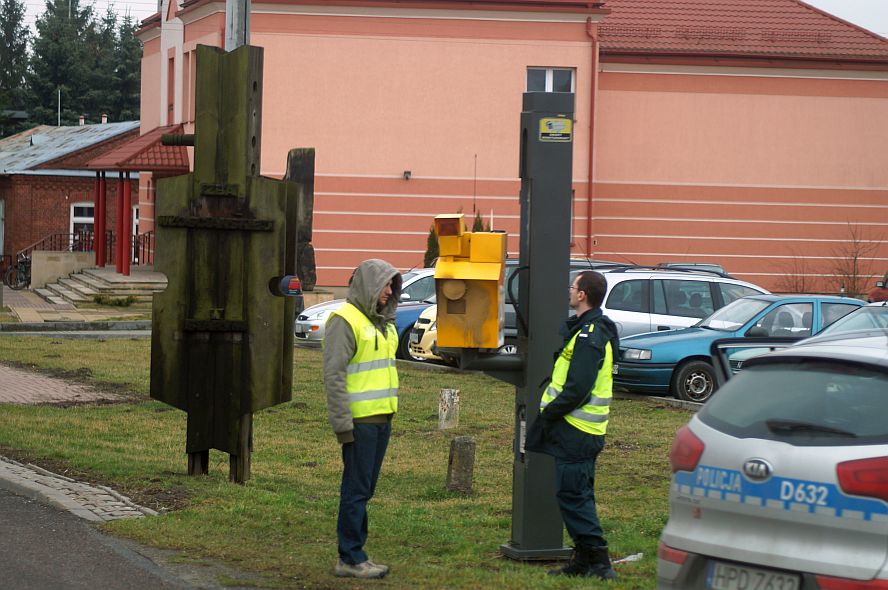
column 780, row 482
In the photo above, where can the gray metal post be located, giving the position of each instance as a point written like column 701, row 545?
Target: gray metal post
column 546, row 166
column 237, row 23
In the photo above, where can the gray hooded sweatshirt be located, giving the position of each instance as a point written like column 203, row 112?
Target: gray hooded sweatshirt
column 364, row 289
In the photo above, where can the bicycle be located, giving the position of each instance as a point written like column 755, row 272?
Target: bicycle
column 18, row 276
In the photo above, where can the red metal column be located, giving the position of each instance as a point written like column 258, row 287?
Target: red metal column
column 99, row 223
column 96, row 248
column 127, row 242
column 118, row 251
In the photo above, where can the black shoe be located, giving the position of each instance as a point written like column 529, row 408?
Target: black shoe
column 578, row 565
column 600, row 565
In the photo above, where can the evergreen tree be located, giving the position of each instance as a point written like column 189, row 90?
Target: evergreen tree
column 101, row 91
column 431, row 248
column 478, row 224
column 14, row 37
column 127, row 74
column 62, row 61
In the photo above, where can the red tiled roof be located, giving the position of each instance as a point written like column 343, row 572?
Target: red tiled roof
column 146, row 154
column 759, row 28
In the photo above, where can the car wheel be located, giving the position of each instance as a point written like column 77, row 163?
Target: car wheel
column 508, row 349
column 694, row 381
column 404, row 349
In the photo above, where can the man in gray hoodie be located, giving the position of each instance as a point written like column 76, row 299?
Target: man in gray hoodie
column 361, row 382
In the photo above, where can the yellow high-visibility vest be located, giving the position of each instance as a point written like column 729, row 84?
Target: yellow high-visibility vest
column 372, row 376
column 592, row 417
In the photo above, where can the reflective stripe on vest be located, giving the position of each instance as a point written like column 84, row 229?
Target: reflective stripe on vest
column 371, row 375
column 592, row 417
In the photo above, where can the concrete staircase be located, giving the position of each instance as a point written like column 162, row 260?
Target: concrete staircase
column 84, row 286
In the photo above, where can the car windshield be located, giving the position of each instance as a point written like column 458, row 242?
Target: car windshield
column 803, row 403
column 733, row 315
column 865, row 318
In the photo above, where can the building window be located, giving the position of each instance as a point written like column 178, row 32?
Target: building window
column 82, row 221
column 550, row 79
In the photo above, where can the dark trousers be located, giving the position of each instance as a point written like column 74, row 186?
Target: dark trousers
column 575, row 490
column 362, row 460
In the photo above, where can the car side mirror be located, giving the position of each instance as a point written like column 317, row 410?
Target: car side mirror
column 405, row 297
column 756, row 332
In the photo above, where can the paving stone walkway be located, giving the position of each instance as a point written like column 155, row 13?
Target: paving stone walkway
column 29, row 307
column 18, row 386
column 94, row 503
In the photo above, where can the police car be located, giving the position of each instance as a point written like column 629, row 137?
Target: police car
column 780, row 482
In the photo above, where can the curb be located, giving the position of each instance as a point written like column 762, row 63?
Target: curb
column 669, row 401
column 75, row 326
column 63, row 492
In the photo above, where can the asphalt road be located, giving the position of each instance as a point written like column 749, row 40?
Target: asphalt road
column 45, row 548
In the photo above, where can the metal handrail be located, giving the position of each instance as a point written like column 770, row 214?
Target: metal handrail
column 143, row 248
column 82, row 241
column 141, row 251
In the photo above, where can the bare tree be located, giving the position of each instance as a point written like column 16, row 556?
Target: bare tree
column 796, row 277
column 852, row 265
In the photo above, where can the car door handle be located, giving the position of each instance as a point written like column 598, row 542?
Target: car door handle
column 663, row 328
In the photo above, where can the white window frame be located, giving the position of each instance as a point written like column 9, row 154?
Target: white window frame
column 550, row 76
column 91, row 219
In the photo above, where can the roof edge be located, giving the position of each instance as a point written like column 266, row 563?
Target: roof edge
column 841, row 20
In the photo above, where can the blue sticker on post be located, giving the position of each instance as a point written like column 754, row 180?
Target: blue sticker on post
column 556, row 129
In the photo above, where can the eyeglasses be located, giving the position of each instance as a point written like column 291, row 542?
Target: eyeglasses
column 572, row 287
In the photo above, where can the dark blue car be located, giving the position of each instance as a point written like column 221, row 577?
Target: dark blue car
column 678, row 361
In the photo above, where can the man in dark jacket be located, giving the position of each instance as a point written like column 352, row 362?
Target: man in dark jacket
column 574, row 413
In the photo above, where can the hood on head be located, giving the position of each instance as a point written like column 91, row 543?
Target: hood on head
column 367, row 283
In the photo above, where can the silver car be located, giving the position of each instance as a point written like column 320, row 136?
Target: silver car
column 780, row 482
column 418, row 285
column 641, row 300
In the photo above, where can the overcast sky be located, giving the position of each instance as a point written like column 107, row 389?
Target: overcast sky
column 870, row 14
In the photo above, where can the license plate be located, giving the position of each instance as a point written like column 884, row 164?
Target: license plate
column 299, row 329
column 726, row 576
column 414, row 337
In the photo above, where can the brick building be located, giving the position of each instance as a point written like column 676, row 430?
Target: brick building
column 46, row 191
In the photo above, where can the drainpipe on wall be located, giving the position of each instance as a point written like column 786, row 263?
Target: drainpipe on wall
column 592, row 31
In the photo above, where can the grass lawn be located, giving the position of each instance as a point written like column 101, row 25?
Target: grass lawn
column 281, row 524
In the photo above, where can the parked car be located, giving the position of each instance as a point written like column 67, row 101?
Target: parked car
column 405, row 318
column 510, row 322
column 698, row 266
column 641, row 299
column 418, row 285
column 869, row 318
column 424, row 336
column 873, row 316
column 678, row 361
column 779, row 481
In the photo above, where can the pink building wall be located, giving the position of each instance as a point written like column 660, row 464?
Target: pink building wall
column 761, row 174
column 756, row 168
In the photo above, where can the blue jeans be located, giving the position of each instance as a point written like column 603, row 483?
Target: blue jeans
column 362, row 460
